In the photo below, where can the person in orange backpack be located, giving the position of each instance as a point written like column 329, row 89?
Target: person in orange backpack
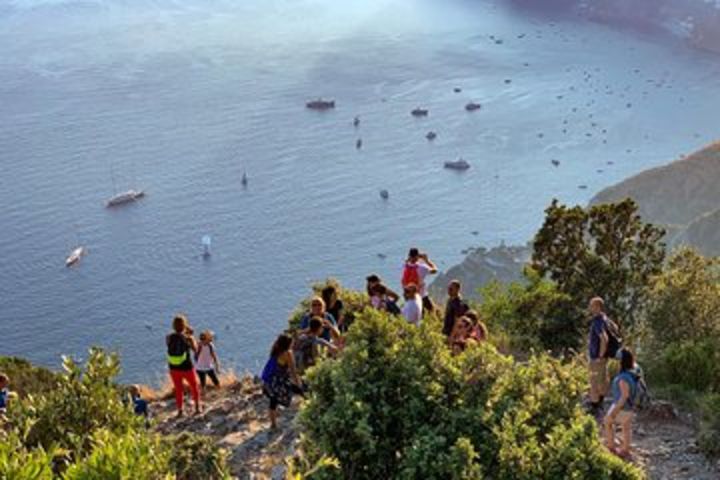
column 416, row 268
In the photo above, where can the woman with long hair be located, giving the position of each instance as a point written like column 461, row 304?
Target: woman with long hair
column 180, row 347
column 280, row 378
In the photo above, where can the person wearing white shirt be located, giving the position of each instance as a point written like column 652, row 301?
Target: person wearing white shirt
column 413, row 309
column 416, row 268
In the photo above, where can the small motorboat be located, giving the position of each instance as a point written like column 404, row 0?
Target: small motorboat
column 458, row 164
column 75, row 256
column 384, row 194
column 431, row 135
column 457, row 89
column 358, row 143
column 420, row 112
column 320, row 104
column 472, row 106
column 124, row 197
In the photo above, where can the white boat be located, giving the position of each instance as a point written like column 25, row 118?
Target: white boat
column 75, row 256
column 458, row 164
column 124, row 197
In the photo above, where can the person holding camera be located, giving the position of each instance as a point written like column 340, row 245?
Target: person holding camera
column 416, row 268
column 180, row 347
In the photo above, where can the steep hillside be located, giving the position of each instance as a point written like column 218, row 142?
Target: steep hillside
column 680, row 195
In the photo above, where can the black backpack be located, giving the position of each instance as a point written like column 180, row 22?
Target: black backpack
column 177, row 345
column 615, row 341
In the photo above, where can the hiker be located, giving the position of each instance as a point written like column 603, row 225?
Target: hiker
column 307, row 346
column 463, row 335
column 454, row 308
column 180, row 347
column 317, row 309
column 206, row 361
column 416, row 268
column 412, row 310
column 480, row 330
column 597, row 353
column 280, row 379
column 334, row 306
column 624, row 389
column 4, row 392
column 381, row 297
column 140, row 405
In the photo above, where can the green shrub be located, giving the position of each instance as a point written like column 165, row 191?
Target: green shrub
column 26, row 378
column 694, row 364
column 19, row 462
column 124, row 456
column 709, row 437
column 196, row 456
column 397, row 404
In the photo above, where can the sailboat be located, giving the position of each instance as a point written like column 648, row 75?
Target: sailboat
column 75, row 256
column 122, row 198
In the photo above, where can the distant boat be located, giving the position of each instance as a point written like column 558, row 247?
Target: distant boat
column 472, row 106
column 358, row 144
column 431, row 135
column 124, row 197
column 75, row 256
column 384, row 194
column 457, row 89
column 244, row 179
column 458, row 164
column 320, row 104
column 555, row 162
column 420, row 112
column 356, row 121
column 206, row 243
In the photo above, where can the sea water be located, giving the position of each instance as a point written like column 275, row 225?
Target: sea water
column 181, row 98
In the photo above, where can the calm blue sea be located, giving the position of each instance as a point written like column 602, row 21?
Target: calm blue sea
column 179, row 98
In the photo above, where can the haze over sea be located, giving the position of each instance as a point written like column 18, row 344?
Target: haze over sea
column 180, row 97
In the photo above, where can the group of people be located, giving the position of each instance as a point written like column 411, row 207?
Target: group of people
column 322, row 327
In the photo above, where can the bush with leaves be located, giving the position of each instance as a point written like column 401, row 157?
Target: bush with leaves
column 605, row 250
column 26, row 378
column 709, row 437
column 19, row 461
column 196, row 456
column 398, row 404
column 535, row 314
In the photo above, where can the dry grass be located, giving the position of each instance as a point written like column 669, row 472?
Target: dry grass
column 228, row 380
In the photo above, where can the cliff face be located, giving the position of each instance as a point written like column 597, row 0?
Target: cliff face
column 683, row 195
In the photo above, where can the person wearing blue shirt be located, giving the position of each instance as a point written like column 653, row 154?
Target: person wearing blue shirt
column 317, row 309
column 4, row 392
column 624, row 389
column 597, row 347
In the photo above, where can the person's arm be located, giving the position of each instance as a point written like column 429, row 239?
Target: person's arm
column 393, row 296
column 326, row 344
column 429, row 263
column 603, row 344
column 334, row 332
column 215, row 359
column 193, row 344
column 291, row 367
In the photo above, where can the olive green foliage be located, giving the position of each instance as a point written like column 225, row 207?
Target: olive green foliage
column 26, row 378
column 709, row 438
column 605, row 250
column 122, row 456
column 398, row 404
column 353, row 301
column 196, row 456
column 82, row 429
column 534, row 315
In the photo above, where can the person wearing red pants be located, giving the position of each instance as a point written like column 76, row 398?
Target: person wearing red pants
column 180, row 347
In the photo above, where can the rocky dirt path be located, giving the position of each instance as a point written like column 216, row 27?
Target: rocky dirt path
column 665, row 447
column 236, row 416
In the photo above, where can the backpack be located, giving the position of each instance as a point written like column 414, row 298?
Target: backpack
column 614, row 338
column 177, row 350
column 410, row 275
column 642, row 398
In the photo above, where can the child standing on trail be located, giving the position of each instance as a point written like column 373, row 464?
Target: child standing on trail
column 140, row 405
column 206, row 362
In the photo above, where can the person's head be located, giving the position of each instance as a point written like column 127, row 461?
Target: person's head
column 134, row 391
column 316, row 325
column 413, row 255
column 464, row 325
column 282, row 344
column 370, row 282
column 317, row 306
column 473, row 316
column 410, row 291
column 180, row 324
column 627, row 360
column 329, row 295
column 453, row 288
column 597, row 305
column 4, row 380
column 378, row 289
column 206, row 337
